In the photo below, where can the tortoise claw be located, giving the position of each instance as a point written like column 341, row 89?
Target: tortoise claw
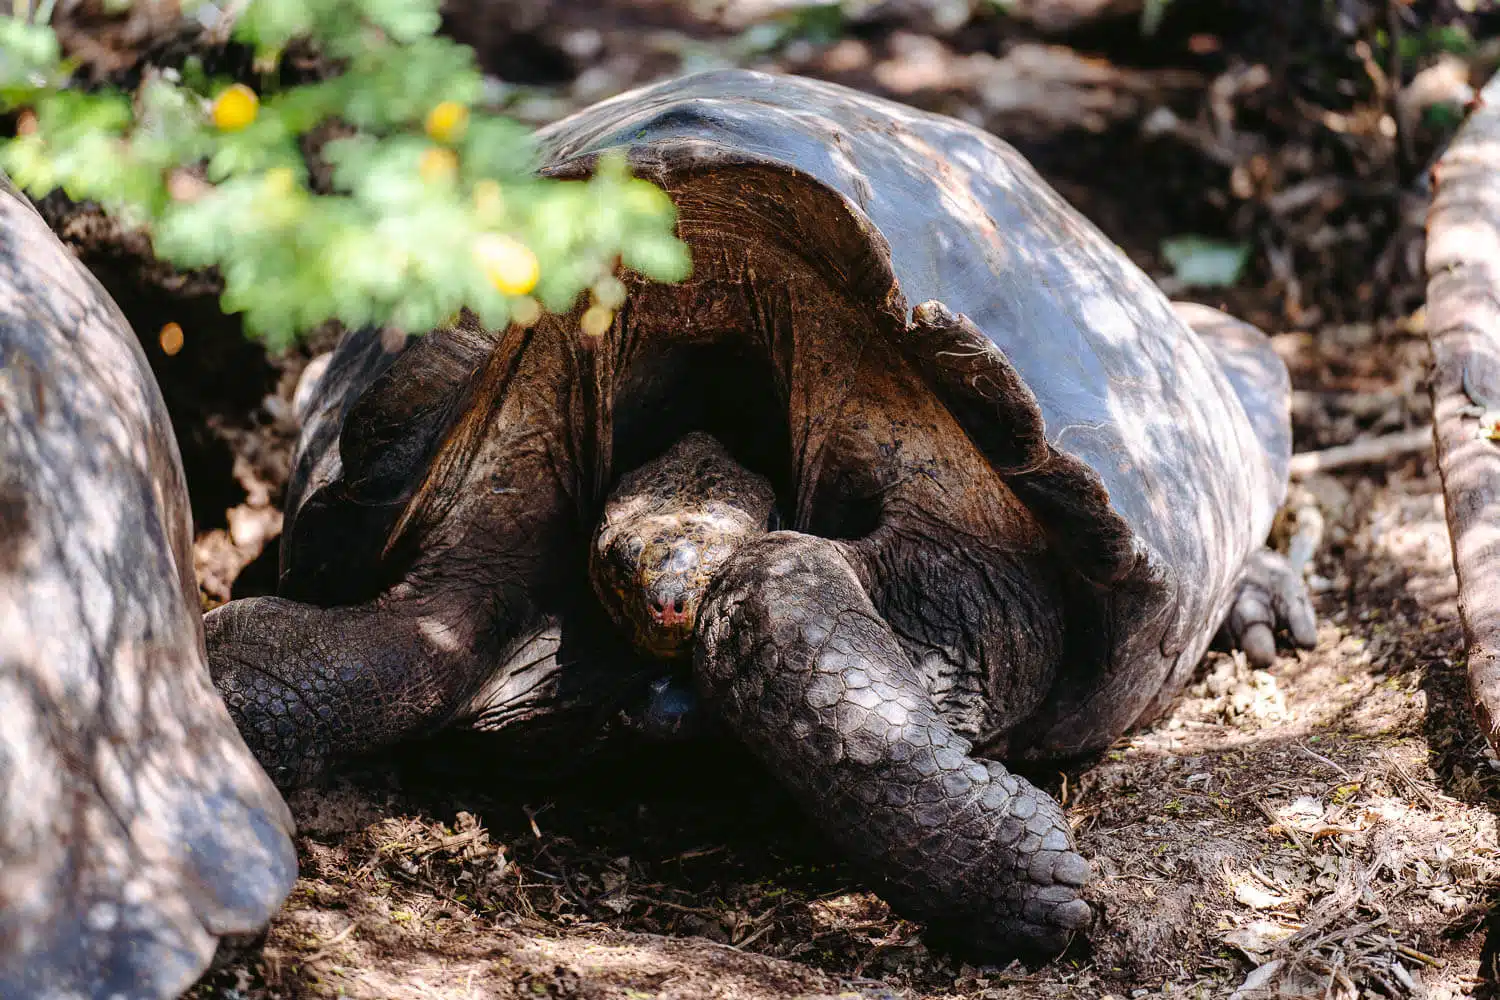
column 1272, row 597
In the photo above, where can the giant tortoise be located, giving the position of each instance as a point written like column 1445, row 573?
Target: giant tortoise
column 915, row 474
column 135, row 826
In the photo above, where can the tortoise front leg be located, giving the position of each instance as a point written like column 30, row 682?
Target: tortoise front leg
column 309, row 685
column 794, row 656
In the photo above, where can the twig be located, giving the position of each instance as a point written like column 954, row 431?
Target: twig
column 1365, row 451
column 1296, row 838
column 1319, row 757
column 760, row 933
column 1394, row 72
column 700, row 852
column 1411, row 782
column 531, row 815
column 327, row 946
column 1418, row 956
column 449, row 843
column 698, row 910
column 219, row 33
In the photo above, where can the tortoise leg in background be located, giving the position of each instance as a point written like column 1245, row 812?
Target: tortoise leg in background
column 135, row 826
column 309, row 686
column 793, row 655
column 1272, row 594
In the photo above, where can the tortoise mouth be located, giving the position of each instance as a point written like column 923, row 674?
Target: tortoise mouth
column 665, row 613
column 666, row 642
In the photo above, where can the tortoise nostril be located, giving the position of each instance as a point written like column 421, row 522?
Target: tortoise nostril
column 658, row 605
column 677, row 605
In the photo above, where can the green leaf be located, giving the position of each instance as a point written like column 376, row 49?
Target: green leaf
column 1204, row 262
column 270, row 24
column 389, row 245
column 658, row 257
column 262, row 145
column 395, row 86
column 404, row 20
column 29, row 53
column 497, row 148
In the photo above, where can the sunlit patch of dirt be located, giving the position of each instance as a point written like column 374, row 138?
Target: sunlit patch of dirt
column 1300, row 814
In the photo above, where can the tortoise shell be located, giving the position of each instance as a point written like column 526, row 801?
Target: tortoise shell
column 1107, row 416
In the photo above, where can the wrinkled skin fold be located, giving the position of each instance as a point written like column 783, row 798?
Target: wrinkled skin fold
column 135, row 826
column 1017, row 493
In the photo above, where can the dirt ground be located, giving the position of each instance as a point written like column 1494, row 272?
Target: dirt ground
column 1324, row 829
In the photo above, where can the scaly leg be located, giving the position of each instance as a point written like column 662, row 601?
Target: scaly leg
column 793, row 655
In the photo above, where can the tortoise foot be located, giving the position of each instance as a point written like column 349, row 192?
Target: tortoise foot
column 1272, row 597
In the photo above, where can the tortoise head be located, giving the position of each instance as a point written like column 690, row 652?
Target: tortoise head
column 667, row 529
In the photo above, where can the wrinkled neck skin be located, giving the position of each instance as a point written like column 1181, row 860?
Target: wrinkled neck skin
column 667, row 528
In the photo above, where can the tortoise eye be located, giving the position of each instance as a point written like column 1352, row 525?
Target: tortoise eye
column 630, row 552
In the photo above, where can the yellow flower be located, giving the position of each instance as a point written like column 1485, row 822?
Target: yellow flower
column 489, row 203
column 596, row 321
column 508, row 263
column 438, row 165
column 279, row 181
column 525, row 311
column 447, row 122
column 235, row 108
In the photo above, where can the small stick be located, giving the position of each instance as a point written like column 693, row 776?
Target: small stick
column 1417, row 956
column 1411, row 782
column 1365, row 451
column 327, row 946
column 450, row 843
column 1317, row 756
column 224, row 26
column 1276, row 821
column 680, row 908
column 1394, row 73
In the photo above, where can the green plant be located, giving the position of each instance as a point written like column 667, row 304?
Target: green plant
column 434, row 205
column 1152, row 13
column 1422, row 45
